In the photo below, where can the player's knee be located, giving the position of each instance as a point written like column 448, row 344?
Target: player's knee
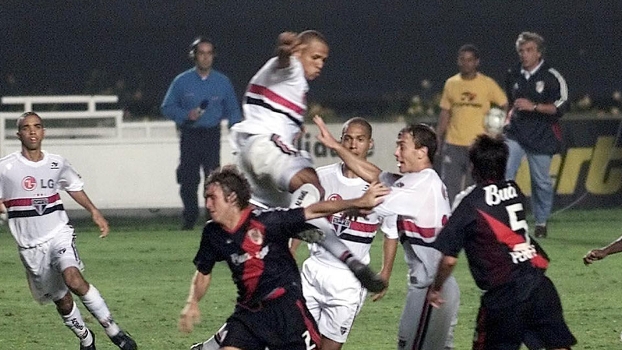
column 74, row 281
column 305, row 195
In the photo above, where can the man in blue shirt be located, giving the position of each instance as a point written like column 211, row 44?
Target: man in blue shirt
column 197, row 100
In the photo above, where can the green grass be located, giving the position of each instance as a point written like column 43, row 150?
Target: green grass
column 143, row 270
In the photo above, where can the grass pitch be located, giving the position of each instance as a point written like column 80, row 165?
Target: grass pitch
column 143, row 270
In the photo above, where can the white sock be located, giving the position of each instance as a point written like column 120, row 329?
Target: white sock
column 98, row 308
column 75, row 322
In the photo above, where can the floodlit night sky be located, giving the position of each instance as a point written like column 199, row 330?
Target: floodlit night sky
column 378, row 48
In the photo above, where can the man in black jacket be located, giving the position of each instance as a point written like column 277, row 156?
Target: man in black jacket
column 538, row 96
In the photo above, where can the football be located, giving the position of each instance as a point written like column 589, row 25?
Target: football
column 494, row 121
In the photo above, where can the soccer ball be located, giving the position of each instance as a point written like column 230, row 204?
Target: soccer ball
column 494, row 121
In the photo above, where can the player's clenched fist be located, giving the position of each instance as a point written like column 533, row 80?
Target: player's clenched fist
column 594, row 255
column 189, row 316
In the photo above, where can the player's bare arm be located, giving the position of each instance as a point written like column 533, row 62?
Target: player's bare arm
column 372, row 197
column 191, row 314
column 287, row 44
column 362, row 168
column 444, row 271
column 601, row 253
column 81, row 198
column 389, row 250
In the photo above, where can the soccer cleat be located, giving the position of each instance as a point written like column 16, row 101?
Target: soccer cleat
column 124, row 341
column 89, row 347
column 371, row 281
column 540, row 231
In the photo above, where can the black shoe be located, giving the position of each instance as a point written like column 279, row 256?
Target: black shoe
column 371, row 281
column 89, row 347
column 124, row 341
column 540, row 231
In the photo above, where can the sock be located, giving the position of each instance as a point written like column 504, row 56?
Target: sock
column 98, row 308
column 75, row 322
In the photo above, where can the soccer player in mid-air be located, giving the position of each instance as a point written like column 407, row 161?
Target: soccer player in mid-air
column 270, row 310
column 416, row 210
column 30, row 181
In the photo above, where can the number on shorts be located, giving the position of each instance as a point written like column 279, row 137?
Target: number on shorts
column 307, row 337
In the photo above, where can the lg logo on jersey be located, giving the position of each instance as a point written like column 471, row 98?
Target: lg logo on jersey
column 29, row 183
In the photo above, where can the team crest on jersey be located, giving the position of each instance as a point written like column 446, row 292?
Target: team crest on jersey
column 29, row 183
column 539, row 86
column 54, row 165
column 255, row 236
column 340, row 224
column 39, row 204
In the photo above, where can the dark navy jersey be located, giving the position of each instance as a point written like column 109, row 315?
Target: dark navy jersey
column 539, row 133
column 489, row 223
column 257, row 252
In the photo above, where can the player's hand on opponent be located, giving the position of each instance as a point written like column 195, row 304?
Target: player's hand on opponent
column 101, row 222
column 594, row 255
column 374, row 195
column 190, row 315
column 325, row 137
column 434, row 298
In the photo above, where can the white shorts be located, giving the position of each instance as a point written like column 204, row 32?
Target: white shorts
column 333, row 296
column 269, row 165
column 45, row 262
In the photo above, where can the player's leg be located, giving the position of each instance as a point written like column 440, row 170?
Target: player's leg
column 212, row 343
column 68, row 262
column 452, row 170
column 72, row 318
column 548, row 319
column 414, row 318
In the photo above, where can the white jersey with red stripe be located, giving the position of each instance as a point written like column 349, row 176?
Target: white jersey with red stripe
column 417, row 209
column 30, row 192
column 356, row 234
column 275, row 101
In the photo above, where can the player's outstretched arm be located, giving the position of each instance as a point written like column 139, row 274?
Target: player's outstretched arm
column 372, row 197
column 81, row 198
column 599, row 254
column 362, row 168
column 190, row 314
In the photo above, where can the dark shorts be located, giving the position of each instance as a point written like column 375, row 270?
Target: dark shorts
column 280, row 324
column 538, row 320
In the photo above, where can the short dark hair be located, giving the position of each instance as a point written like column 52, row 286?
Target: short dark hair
column 231, row 181
column 309, row 35
column 357, row 121
column 193, row 46
column 469, row 48
column 423, row 136
column 489, row 157
column 21, row 118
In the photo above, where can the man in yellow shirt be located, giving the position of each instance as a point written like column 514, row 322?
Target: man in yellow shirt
column 467, row 97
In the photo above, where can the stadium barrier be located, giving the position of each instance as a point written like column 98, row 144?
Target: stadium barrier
column 129, row 167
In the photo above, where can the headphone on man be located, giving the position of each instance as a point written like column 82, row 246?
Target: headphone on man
column 195, row 43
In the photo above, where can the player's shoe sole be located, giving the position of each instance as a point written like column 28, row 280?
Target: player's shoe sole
column 370, row 280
